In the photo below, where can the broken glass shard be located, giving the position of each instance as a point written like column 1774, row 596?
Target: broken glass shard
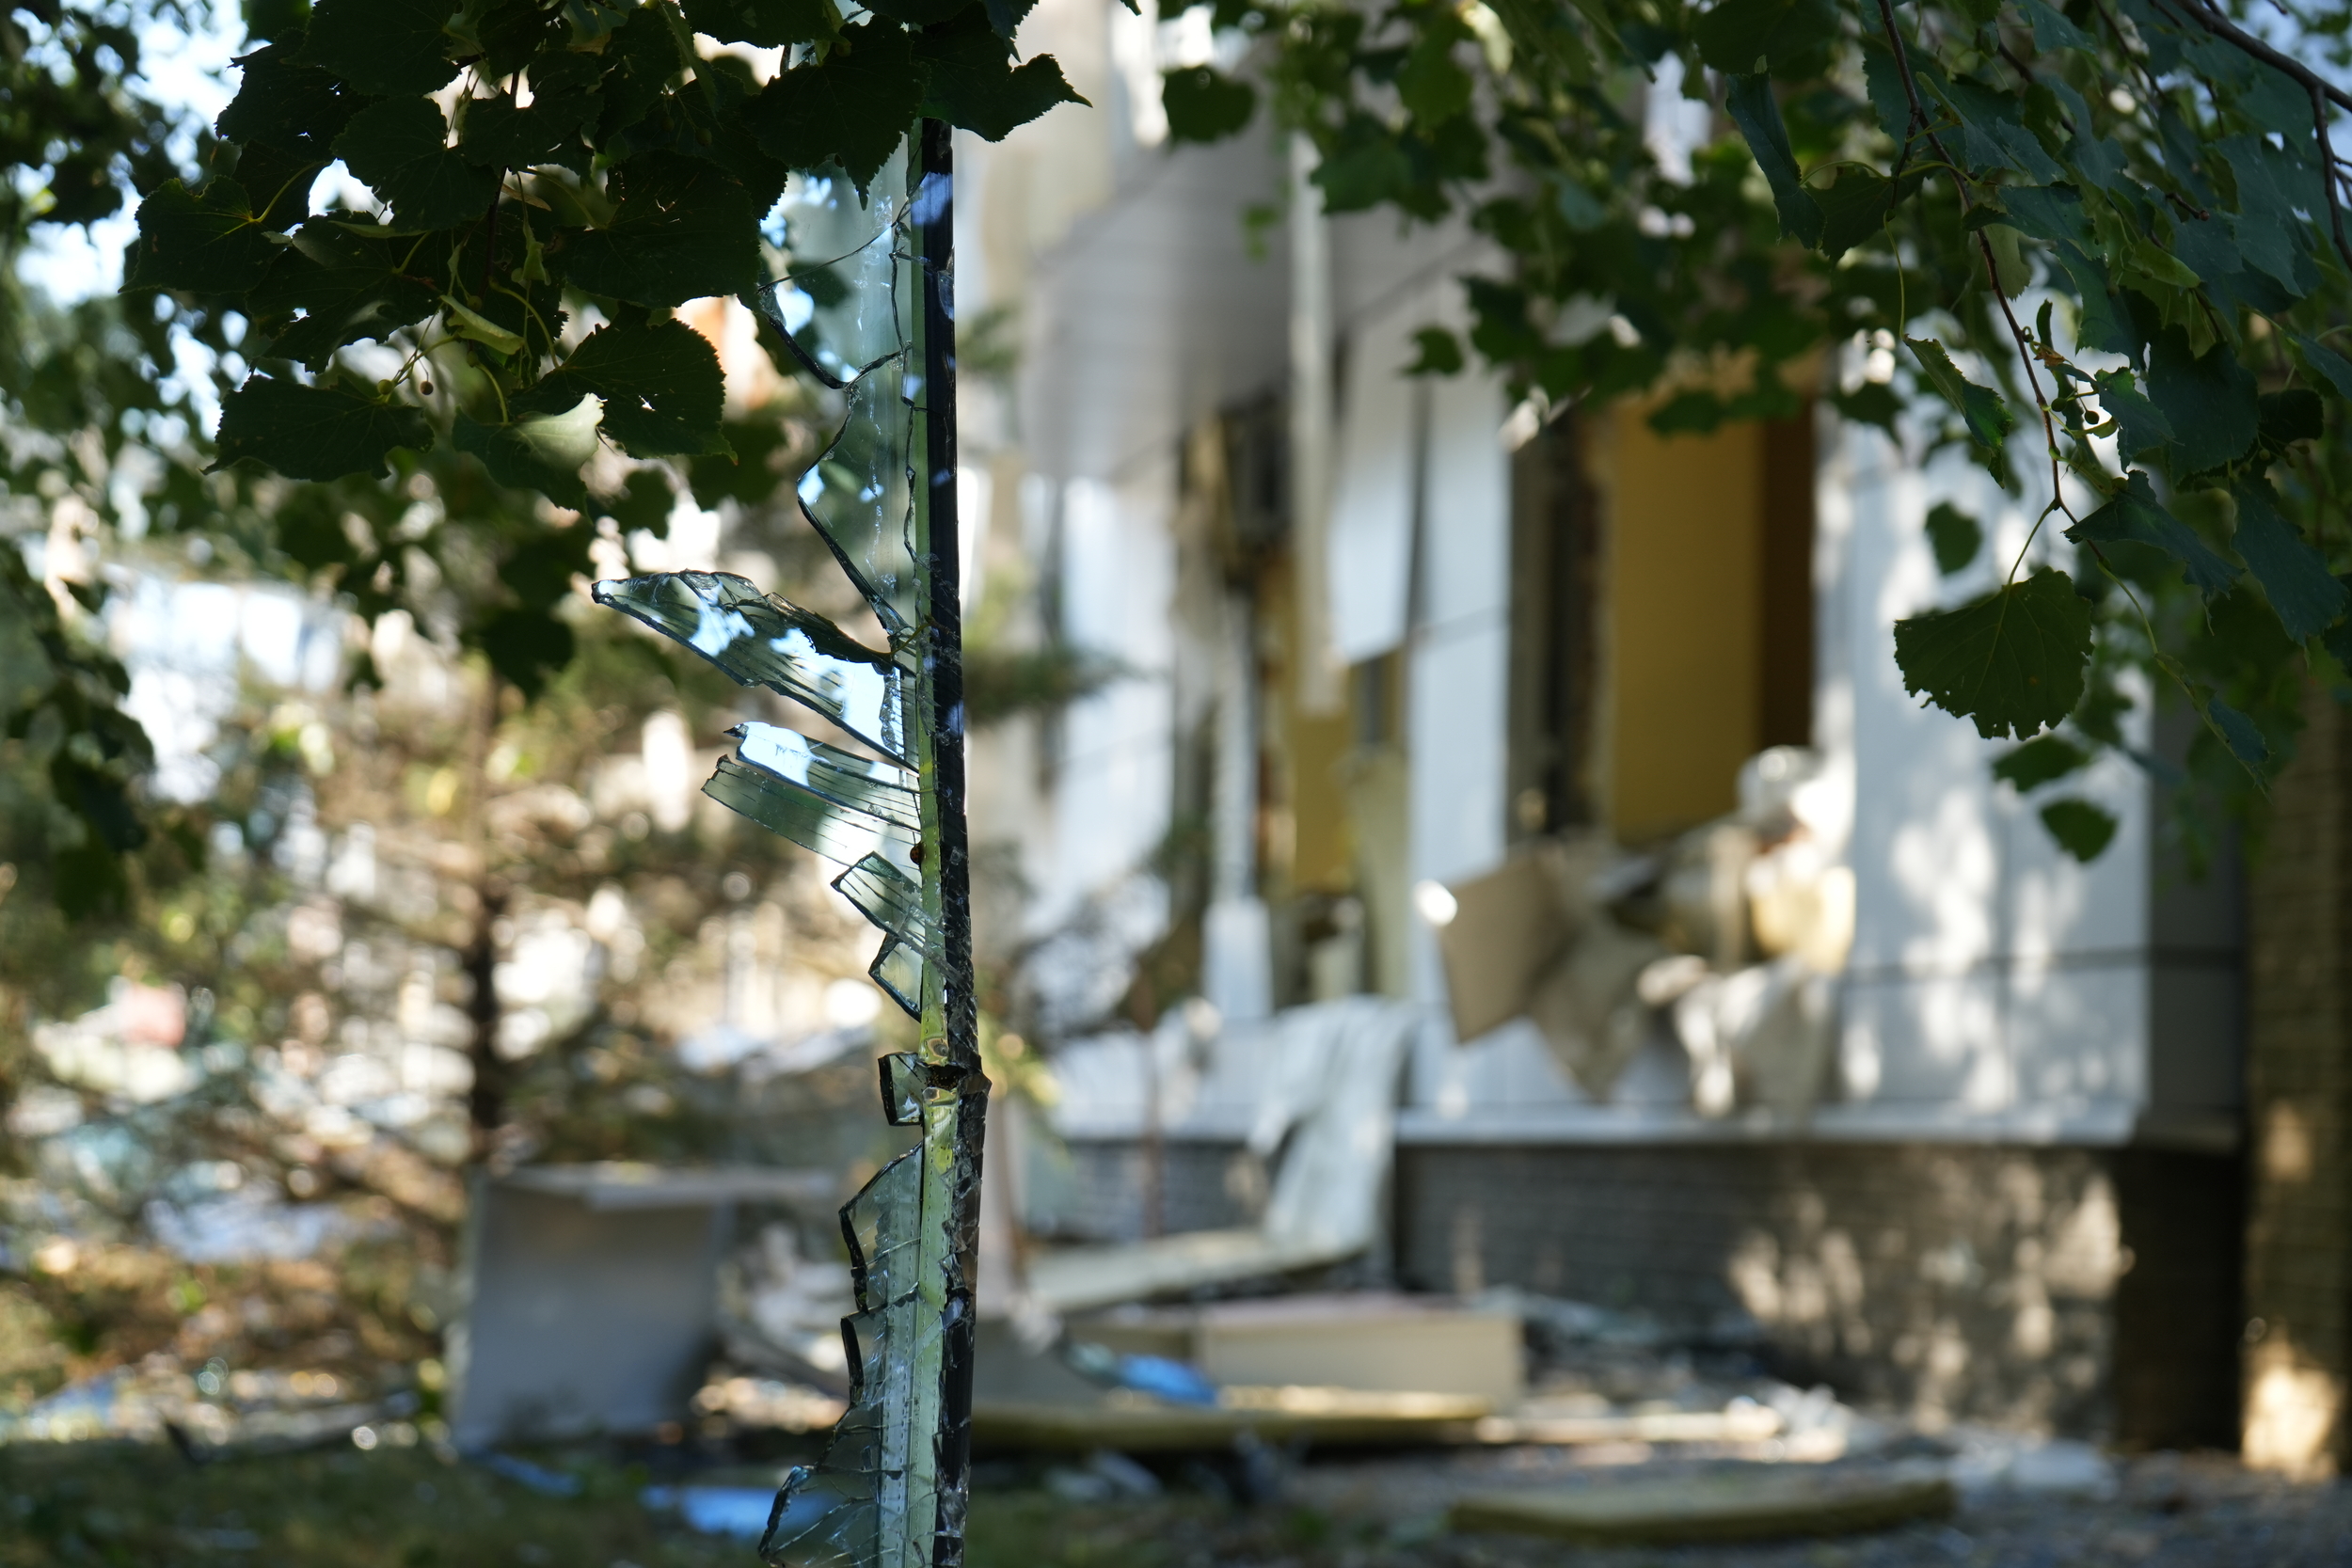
column 844, row 1511
column 897, row 968
column 848, row 296
column 839, row 833
column 881, row 790
column 911, row 1086
column 761, row 640
column 859, row 497
column 885, row 895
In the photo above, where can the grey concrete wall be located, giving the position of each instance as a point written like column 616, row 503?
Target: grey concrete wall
column 2082, row 1291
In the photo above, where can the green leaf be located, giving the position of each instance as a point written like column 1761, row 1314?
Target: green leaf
column 2266, row 217
column 400, row 149
column 852, row 108
column 474, row 326
column 2052, row 30
column 2135, row 515
column 922, row 13
column 286, row 105
column 1440, row 352
column 1955, row 536
column 526, row 647
column 1429, row 84
column 539, row 452
column 2294, row 576
column 498, row 134
column 2209, row 400
column 644, row 56
column 2051, row 214
column 1203, row 105
column 541, row 569
column 764, row 23
column 973, row 84
column 685, row 230
column 662, row 389
column 510, row 32
column 2011, row 661
column 1981, row 408
column 1757, row 113
column 382, row 46
column 349, row 286
column 2240, row 734
column 1736, row 34
column 2039, row 761
column 2325, row 362
column 1871, row 404
column 2139, row 424
column 1883, row 81
column 1856, row 208
column 2100, row 322
column 2291, row 416
column 278, row 178
column 2081, row 829
column 1993, row 135
column 643, row 505
column 314, row 432
column 206, row 242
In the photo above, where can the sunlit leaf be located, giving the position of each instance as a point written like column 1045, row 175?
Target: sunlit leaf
column 538, row 452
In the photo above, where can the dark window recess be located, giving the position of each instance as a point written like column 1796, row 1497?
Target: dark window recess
column 1257, row 466
column 1555, row 537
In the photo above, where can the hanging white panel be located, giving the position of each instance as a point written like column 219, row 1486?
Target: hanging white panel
column 1370, row 552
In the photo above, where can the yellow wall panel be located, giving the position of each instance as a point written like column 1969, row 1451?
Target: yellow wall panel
column 1685, row 519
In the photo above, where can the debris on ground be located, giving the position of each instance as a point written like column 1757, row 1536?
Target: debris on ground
column 684, row 1504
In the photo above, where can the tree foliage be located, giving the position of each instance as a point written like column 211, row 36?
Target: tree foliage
column 432, row 401
column 2098, row 243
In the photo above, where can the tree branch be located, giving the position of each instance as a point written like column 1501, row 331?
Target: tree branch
column 2327, row 176
column 2222, row 27
column 1984, row 247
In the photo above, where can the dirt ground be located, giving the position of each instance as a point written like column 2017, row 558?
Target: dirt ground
column 411, row 1508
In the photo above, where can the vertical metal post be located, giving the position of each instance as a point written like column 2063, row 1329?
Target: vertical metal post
column 953, row 1128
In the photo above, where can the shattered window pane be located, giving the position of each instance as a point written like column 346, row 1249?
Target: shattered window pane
column 867, row 305
column 760, row 640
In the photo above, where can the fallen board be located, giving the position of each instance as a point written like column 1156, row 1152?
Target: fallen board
column 1135, row 1425
column 1761, row 1504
